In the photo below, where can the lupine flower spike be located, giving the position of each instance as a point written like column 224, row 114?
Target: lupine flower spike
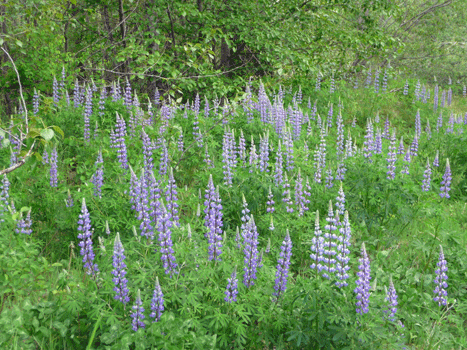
column 232, row 288
column 446, row 183
column 85, row 237
column 391, row 299
column 283, row 264
column 157, row 302
column 119, row 272
column 440, row 280
column 138, row 316
column 363, row 283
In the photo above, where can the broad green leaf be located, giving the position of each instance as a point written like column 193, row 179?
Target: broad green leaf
column 47, row 134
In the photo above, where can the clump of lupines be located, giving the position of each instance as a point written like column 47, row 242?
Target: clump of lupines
column 426, row 182
column 363, row 283
column 53, row 168
column 98, row 177
column 250, row 250
column 119, row 272
column 157, row 302
column 137, row 315
column 213, row 220
column 446, row 182
column 282, row 269
column 440, row 280
column 85, row 237
column 232, row 288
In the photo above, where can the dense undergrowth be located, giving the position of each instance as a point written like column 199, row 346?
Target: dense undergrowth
column 50, row 301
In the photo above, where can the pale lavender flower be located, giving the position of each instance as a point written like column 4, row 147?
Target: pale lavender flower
column 439, row 122
column 340, row 200
column 435, row 98
column 391, row 299
column 414, row 147
column 53, row 168
column 232, row 288
column 137, row 315
column 85, row 237
column 157, row 302
column 330, row 244
column 242, row 149
column 329, row 179
column 401, row 148
column 283, row 265
column 426, row 183
column 264, row 153
column 119, row 272
column 436, row 160
column 270, row 203
column 56, row 95
column 406, row 88
column 446, row 182
column 342, row 257
column 317, row 247
column 407, row 160
column 440, row 280
column 392, row 157
column 363, row 283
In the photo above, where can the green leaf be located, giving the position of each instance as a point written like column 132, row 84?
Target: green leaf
column 47, row 134
column 58, row 130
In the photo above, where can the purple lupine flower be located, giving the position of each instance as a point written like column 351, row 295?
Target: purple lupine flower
column 213, row 220
column 180, row 142
column 385, row 82
column 76, row 95
column 317, row 247
column 98, row 177
column 242, row 149
column 87, row 115
column 137, row 315
column 301, row 202
column 283, row 264
column 53, row 168
column 69, row 203
column 329, row 179
column 253, row 157
column 441, row 277
column 165, row 240
column 386, row 134
column 157, row 97
column 278, row 171
column 289, row 157
column 45, row 157
column 449, row 96
column 426, row 183
column 342, row 257
column 157, row 302
column 401, row 148
column 56, row 94
column 24, row 225
column 164, row 159
column 318, row 82
column 232, row 288
column 35, row 102
column 332, row 85
column 340, row 200
column 368, row 79
column 443, row 98
column 207, row 158
column 392, row 157
column 206, row 107
column 428, row 129
column 102, row 98
column 171, row 198
column 127, row 98
column 119, row 272
column 417, row 90
column 450, row 126
column 270, row 203
column 378, row 142
column 418, row 125
column 348, row 147
column 439, row 122
column 377, row 81
column 414, row 147
column 96, row 131
column 446, row 182
column 435, row 98
column 245, row 218
column 369, row 143
column 330, row 245
column 436, row 160
column 251, row 253
column 340, row 136
column 329, row 119
column 407, row 160
column 406, row 88
column 271, row 227
column 264, row 153
column 363, row 283
column 85, row 237
column 228, row 156
column 118, row 141
column 286, row 195
column 148, row 148
column 391, row 299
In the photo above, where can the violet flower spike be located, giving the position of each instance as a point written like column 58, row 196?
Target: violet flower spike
column 119, row 272
column 85, row 237
column 157, row 302
column 440, row 280
column 283, row 265
column 391, row 299
column 232, row 288
column 446, row 182
column 138, row 314
column 363, row 283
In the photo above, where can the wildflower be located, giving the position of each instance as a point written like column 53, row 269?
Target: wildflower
column 446, row 182
column 426, row 183
column 157, row 302
column 85, row 237
column 440, row 280
column 363, row 283
column 24, row 225
column 138, row 314
column 251, row 253
column 283, row 264
column 232, row 288
column 119, row 272
column 391, row 299
column 53, row 168
column 342, row 257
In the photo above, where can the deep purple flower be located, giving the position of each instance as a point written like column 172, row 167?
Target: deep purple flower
column 117, row 141
column 85, row 237
column 440, row 280
column 119, row 272
column 127, row 98
column 283, row 265
column 232, row 288
column 53, row 168
column 138, row 313
column 446, row 182
column 363, row 283
column 157, row 302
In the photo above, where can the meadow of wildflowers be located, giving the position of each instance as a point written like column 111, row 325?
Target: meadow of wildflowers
column 266, row 222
